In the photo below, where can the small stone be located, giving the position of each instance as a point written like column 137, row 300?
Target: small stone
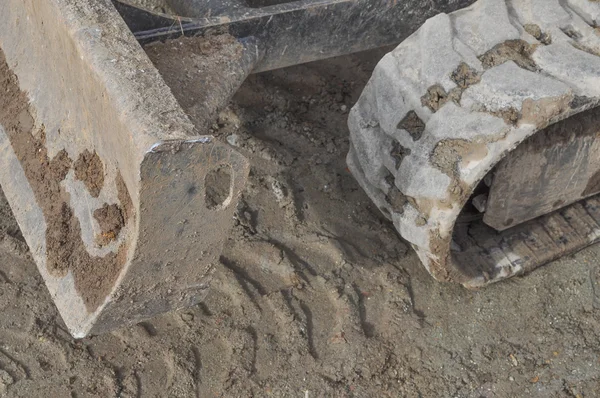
column 480, row 202
column 279, row 190
column 233, row 140
column 488, row 179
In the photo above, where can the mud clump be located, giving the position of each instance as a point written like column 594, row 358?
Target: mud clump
column 518, row 51
column 535, row 31
column 90, row 170
column 448, row 155
column 111, row 221
column 399, row 152
column 437, row 96
column 396, row 199
column 465, row 76
column 510, row 115
column 413, row 124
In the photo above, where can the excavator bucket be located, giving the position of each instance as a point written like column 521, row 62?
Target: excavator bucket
column 123, row 204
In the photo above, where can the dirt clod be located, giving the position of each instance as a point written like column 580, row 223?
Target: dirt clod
column 399, row 152
column 89, row 169
column 110, row 219
column 437, row 96
column 510, row 115
column 413, row 124
column 396, row 199
column 465, row 76
column 449, row 154
column 535, row 31
column 518, row 51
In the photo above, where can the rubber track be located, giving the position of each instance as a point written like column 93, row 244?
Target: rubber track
column 444, row 107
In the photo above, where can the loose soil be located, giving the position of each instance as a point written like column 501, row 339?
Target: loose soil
column 209, row 68
column 110, row 219
column 89, row 169
column 315, row 294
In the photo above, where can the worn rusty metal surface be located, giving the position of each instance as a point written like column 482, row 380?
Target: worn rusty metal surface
column 554, row 168
column 103, row 169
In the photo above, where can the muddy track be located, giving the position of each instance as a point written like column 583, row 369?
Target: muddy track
column 445, row 106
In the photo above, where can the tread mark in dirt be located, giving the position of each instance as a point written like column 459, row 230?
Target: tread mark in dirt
column 288, row 299
column 420, row 314
column 594, row 275
column 197, row 370
column 138, row 384
column 254, row 335
column 346, row 245
column 148, row 328
column 244, row 275
column 119, row 377
column 17, row 364
column 309, row 329
column 245, row 282
column 296, row 261
column 367, row 327
column 204, row 309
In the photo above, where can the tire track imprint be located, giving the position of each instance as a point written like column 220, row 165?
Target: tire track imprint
column 197, row 370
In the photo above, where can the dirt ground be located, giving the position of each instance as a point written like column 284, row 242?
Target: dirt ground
column 315, row 294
